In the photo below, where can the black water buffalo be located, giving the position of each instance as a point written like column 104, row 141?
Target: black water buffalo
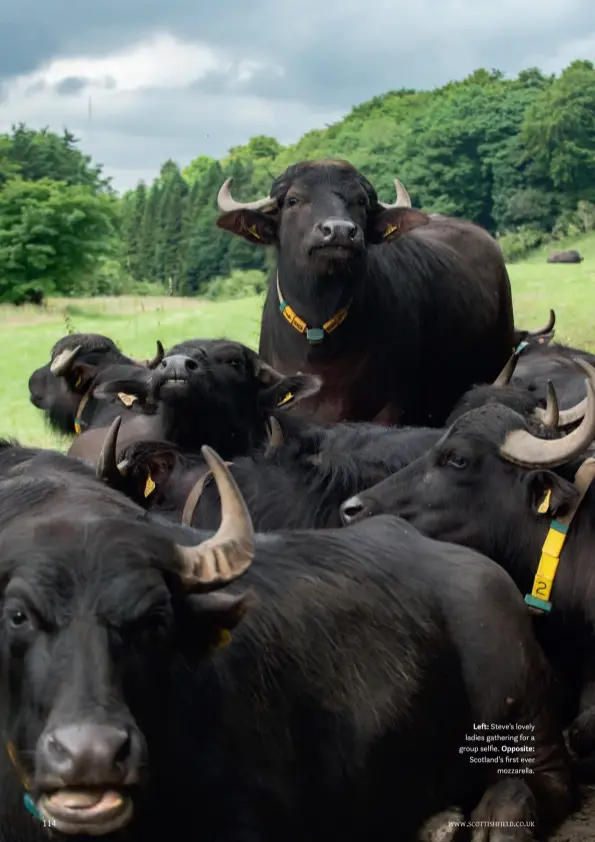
column 399, row 313
column 60, row 388
column 567, row 256
column 555, row 363
column 295, row 485
column 215, row 392
column 492, row 485
column 340, row 708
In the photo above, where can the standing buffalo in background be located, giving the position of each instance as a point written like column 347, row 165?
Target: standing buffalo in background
column 569, row 256
column 399, row 312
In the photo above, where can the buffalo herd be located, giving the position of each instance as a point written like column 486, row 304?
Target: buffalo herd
column 309, row 593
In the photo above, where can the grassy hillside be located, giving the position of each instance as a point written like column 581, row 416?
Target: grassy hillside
column 136, row 323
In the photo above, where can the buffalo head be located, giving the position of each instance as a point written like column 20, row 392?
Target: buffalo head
column 217, row 392
column 321, row 215
column 58, row 387
column 99, row 608
column 486, row 483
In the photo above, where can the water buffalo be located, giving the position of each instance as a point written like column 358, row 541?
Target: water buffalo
column 294, row 485
column 492, row 485
column 567, row 256
column 398, row 312
column 60, row 388
column 340, row 706
column 215, row 392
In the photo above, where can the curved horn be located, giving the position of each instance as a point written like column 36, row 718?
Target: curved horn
column 503, row 379
column 549, row 416
column 227, row 203
column 403, row 200
column 546, row 328
column 275, row 436
column 107, row 465
column 150, row 364
column 575, row 413
column 158, row 356
column 522, row 448
column 229, row 553
column 63, row 362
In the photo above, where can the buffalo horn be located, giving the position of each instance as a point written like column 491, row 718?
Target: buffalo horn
column 229, row 553
column 546, row 328
column 403, row 200
column 527, row 450
column 227, row 203
column 158, row 356
column 549, row 416
column 63, row 362
column 275, row 436
column 151, row 364
column 575, row 413
column 107, row 465
column 503, row 379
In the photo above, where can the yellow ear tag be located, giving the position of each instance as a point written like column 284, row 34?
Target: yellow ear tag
column 79, row 380
column 254, row 232
column 289, row 396
column 545, row 503
column 77, row 428
column 149, row 486
column 127, row 400
column 390, row 229
column 224, row 639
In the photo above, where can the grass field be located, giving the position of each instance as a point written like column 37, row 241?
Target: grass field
column 27, row 335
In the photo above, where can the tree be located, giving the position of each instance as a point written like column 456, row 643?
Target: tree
column 559, row 131
column 51, row 235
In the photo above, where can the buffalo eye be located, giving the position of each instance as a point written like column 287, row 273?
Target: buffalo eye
column 456, row 461
column 236, row 363
column 17, row 618
column 361, row 201
column 290, row 201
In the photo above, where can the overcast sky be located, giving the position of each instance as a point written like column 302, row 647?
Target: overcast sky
column 188, row 77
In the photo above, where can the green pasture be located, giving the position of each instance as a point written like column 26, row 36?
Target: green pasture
column 27, row 335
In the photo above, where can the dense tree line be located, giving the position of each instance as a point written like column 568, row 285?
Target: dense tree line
column 515, row 155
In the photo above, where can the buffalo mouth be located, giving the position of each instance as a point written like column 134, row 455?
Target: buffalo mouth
column 334, row 252
column 170, row 385
column 37, row 401
column 94, row 812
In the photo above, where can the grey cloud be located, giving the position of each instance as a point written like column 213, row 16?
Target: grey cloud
column 71, row 85
column 333, row 56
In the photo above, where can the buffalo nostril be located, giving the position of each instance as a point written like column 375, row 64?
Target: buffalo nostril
column 351, row 509
column 327, row 230
column 352, row 232
column 191, row 365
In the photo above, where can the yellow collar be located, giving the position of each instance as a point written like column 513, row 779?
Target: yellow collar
column 539, row 599
column 314, row 335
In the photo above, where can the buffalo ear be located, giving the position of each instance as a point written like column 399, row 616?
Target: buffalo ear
column 145, row 474
column 280, row 392
column 204, row 622
column 549, row 494
column 130, row 388
column 79, row 376
column 257, row 228
column 387, row 225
